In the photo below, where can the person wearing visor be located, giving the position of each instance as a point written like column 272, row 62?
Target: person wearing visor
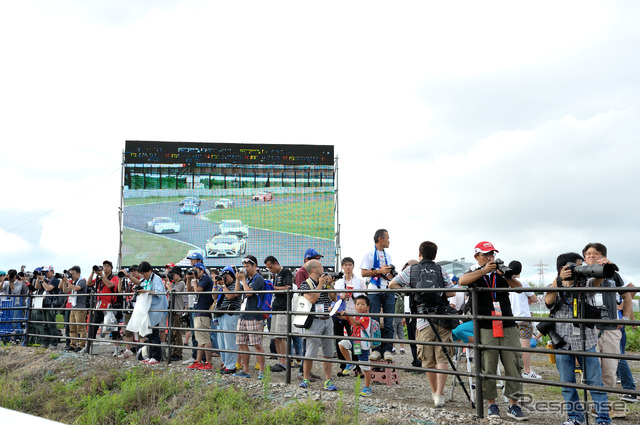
column 227, row 309
column 498, row 333
column 248, row 282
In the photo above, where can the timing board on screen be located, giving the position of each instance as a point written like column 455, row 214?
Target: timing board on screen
column 227, row 200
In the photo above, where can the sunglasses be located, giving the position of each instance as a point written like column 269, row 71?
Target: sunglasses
column 248, row 260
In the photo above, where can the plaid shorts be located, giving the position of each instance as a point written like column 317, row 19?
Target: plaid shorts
column 251, row 326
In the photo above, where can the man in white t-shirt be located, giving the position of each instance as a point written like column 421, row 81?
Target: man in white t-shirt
column 375, row 267
column 520, row 302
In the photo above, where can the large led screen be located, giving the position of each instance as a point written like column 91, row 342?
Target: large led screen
column 226, row 200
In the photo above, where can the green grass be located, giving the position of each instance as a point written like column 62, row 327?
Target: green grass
column 314, row 218
column 140, row 396
column 141, row 246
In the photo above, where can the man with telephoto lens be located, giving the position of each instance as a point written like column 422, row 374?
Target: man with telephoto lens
column 561, row 305
column 47, row 284
column 496, row 332
column 432, row 357
column 609, row 336
column 76, row 285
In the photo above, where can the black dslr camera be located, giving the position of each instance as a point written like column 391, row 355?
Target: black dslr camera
column 335, row 275
column 504, row 269
column 393, row 271
column 549, row 329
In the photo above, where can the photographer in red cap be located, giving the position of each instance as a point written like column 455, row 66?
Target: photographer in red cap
column 487, row 274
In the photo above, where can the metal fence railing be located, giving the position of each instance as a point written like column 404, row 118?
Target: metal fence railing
column 20, row 319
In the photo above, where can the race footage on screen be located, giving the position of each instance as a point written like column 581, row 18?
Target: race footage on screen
column 226, row 200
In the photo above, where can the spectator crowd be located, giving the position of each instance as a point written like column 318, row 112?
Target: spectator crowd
column 196, row 314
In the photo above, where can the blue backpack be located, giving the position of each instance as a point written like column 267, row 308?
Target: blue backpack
column 264, row 300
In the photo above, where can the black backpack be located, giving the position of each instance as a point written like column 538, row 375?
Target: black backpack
column 426, row 275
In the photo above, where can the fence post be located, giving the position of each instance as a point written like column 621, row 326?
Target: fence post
column 287, row 356
column 172, row 297
column 89, row 344
column 477, row 353
column 27, row 330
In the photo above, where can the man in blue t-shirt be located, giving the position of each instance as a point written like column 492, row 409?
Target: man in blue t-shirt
column 202, row 319
column 250, row 322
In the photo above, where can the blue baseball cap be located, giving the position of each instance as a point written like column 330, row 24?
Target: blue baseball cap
column 200, row 266
column 195, row 256
column 312, row 253
column 455, row 279
column 228, row 270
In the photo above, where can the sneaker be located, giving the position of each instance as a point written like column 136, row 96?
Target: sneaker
column 79, row 350
column 194, row 366
column 257, row 367
column 571, row 421
column 68, row 348
column 278, row 368
column 401, row 351
column 348, row 368
column 342, row 373
column 116, row 352
column 328, row 385
column 628, row 398
column 493, row 412
column 260, row 376
column 366, row 392
column 126, row 354
column 226, row 371
column 241, row 374
column 374, row 356
column 388, row 357
column 516, row 413
column 238, row 366
column 438, row 400
column 205, row 366
column 305, row 383
column 531, row 375
column 189, row 362
column 151, row 361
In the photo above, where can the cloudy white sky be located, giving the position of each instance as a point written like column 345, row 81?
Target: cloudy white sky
column 455, row 122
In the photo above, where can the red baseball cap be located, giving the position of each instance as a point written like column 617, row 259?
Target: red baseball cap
column 484, row 247
column 170, row 265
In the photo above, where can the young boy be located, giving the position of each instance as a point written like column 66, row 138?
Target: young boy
column 361, row 327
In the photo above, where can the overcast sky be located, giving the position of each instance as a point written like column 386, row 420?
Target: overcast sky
column 454, row 122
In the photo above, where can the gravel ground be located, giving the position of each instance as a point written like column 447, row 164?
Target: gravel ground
column 408, row 402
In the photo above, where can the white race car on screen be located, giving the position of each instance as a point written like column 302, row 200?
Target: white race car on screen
column 163, row 225
column 226, row 246
column 224, row 203
column 234, row 228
